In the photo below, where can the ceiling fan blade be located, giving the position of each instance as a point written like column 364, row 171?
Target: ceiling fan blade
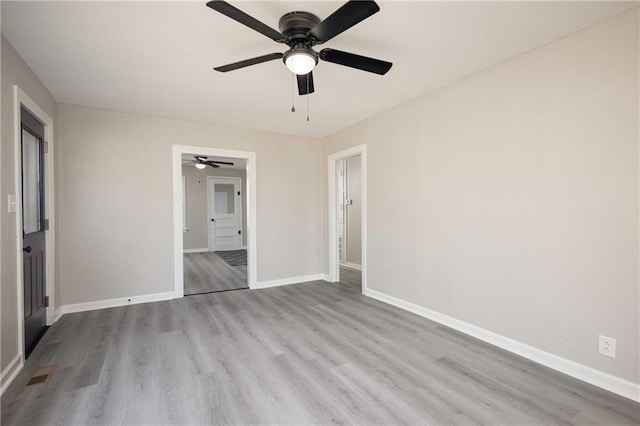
column 211, row 164
column 305, row 84
column 221, row 162
column 345, row 17
column 241, row 17
column 249, row 62
column 352, row 60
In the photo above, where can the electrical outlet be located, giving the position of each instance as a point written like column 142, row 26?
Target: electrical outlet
column 607, row 346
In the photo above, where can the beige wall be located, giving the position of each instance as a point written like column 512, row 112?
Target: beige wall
column 14, row 71
column 197, row 237
column 115, row 232
column 519, row 195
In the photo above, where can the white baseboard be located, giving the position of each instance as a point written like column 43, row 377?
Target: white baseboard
column 57, row 314
column 352, row 266
column 112, row 303
column 597, row 378
column 10, row 373
column 288, row 281
column 195, row 250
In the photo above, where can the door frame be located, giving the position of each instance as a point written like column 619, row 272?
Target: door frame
column 21, row 99
column 252, row 214
column 209, row 213
column 334, row 261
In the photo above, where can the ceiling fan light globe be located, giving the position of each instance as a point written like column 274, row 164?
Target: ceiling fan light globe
column 300, row 63
column 200, row 166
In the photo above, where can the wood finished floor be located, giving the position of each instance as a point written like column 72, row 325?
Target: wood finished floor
column 205, row 272
column 313, row 353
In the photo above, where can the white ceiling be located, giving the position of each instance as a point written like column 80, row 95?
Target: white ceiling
column 157, row 57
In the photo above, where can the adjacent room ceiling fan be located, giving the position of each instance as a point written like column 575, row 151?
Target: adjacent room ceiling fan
column 201, row 162
column 303, row 30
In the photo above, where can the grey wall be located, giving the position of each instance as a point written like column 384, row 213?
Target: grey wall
column 354, row 211
column 116, row 223
column 14, row 71
column 197, row 221
column 519, row 189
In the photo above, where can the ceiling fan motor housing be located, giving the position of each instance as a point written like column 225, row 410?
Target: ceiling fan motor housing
column 296, row 26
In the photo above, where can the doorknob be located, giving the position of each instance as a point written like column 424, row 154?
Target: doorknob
column 213, row 220
column 27, row 249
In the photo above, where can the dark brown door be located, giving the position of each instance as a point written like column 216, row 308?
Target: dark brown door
column 33, row 230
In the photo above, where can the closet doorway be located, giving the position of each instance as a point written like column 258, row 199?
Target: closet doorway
column 349, row 212
column 347, row 217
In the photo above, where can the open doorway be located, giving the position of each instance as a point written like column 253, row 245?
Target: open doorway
column 347, row 217
column 214, row 219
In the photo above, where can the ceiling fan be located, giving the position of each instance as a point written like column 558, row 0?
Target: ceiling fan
column 303, row 30
column 201, row 162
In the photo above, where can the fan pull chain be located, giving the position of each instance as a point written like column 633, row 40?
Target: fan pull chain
column 293, row 86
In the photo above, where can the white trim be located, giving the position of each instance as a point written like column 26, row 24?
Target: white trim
column 195, row 250
column 351, row 266
column 58, row 314
column 334, row 270
column 211, row 180
column 597, row 378
column 9, row 374
column 250, row 190
column 288, row 281
column 185, row 228
column 20, row 98
column 113, row 303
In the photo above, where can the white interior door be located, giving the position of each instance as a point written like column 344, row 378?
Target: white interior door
column 225, row 213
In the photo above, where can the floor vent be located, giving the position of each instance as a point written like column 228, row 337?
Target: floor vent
column 41, row 375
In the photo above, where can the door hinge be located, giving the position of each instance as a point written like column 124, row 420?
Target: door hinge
column 46, row 301
column 45, row 147
column 45, row 225
column 238, row 192
column 239, row 232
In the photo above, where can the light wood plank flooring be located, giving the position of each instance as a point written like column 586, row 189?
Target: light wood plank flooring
column 313, row 353
column 206, row 272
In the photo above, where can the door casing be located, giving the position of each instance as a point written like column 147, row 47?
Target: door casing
column 21, row 99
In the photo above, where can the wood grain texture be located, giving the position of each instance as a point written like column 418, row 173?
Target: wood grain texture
column 313, row 353
column 205, row 272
